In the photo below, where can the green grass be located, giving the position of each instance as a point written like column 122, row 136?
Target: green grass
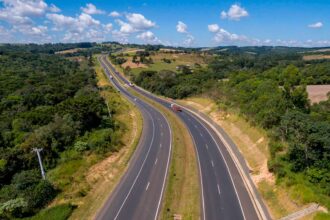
column 59, row 212
column 322, row 216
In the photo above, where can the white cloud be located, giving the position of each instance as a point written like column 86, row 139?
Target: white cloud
column 53, row 8
column 83, row 27
column 108, row 27
column 17, row 12
column 235, row 12
column 115, row 14
column 91, row 9
column 316, row 25
column 189, row 41
column 134, row 23
column 213, row 28
column 181, row 27
column 139, row 22
column 224, row 36
column 148, row 37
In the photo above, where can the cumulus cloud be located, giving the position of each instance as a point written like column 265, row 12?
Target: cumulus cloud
column 91, row 9
column 17, row 12
column 213, row 28
column 81, row 27
column 133, row 23
column 114, row 14
column 148, row 37
column 181, row 27
column 53, row 8
column 316, row 25
column 235, row 12
column 224, row 36
column 139, row 22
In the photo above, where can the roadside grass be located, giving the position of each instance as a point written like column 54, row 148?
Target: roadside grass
column 182, row 195
column 281, row 198
column 59, row 212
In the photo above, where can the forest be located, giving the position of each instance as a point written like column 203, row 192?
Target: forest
column 268, row 87
column 48, row 102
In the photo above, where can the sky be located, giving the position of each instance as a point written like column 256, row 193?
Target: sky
column 189, row 23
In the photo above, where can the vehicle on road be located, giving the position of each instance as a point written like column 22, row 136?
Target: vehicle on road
column 131, row 84
column 176, row 108
column 111, row 77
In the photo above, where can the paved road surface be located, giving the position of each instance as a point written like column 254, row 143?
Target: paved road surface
column 140, row 191
column 224, row 195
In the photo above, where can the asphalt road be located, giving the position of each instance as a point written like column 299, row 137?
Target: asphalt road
column 223, row 193
column 140, row 191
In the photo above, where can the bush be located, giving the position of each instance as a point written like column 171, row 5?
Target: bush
column 59, row 212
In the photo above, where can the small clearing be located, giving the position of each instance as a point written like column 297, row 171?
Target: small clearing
column 318, row 93
column 316, row 57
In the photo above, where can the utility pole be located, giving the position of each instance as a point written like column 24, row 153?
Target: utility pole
column 38, row 150
column 106, row 102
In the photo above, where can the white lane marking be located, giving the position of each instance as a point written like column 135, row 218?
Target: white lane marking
column 207, row 146
column 130, row 190
column 223, row 158
column 219, row 189
column 147, row 186
column 195, row 126
column 212, row 163
column 161, row 125
column 201, row 134
column 156, row 161
column 160, row 145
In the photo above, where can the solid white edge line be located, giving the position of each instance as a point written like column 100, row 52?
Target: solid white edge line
column 167, row 166
column 231, row 178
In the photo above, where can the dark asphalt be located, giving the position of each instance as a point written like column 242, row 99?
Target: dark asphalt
column 224, row 195
column 139, row 193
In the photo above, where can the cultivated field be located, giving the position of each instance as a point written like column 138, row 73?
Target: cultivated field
column 176, row 59
column 316, row 57
column 318, row 93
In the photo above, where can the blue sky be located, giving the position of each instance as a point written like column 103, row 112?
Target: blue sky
column 180, row 23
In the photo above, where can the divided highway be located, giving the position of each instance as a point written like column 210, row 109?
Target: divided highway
column 140, row 191
column 223, row 192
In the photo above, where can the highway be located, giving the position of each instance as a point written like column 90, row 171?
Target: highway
column 140, row 191
column 223, row 192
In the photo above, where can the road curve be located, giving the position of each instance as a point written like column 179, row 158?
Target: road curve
column 223, row 192
column 139, row 193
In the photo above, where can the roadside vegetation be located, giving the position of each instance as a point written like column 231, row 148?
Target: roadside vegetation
column 49, row 102
column 266, row 87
